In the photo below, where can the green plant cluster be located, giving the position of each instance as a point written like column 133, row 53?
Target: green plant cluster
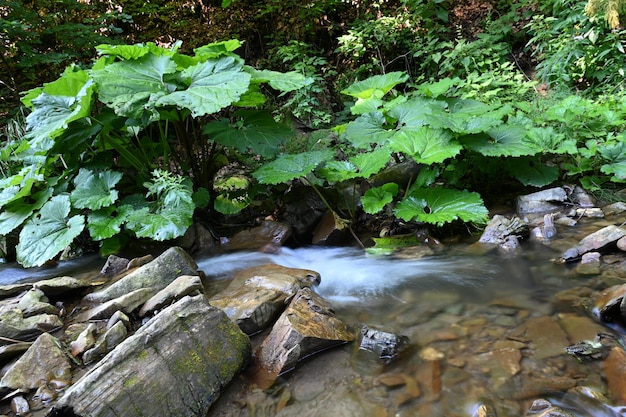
column 141, row 118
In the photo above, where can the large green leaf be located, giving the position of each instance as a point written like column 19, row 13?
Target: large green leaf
column 95, row 190
column 213, row 85
column 254, row 130
column 375, row 199
column 530, row 171
column 504, row 140
column 337, row 171
column 14, row 214
column 60, row 103
column 289, row 167
column 618, row 169
column 370, row 163
column 368, row 129
column 123, row 51
column 375, row 85
column 425, row 145
column 164, row 225
column 103, row 224
column 442, row 205
column 416, row 112
column 132, row 87
column 19, row 185
column 218, row 49
column 281, row 81
column 550, row 141
column 48, row 232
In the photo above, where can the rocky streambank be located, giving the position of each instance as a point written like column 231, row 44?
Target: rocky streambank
column 157, row 337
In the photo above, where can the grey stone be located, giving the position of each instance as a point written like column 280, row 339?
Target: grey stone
column 176, row 364
column 155, row 275
column 114, row 265
column 126, row 303
column 542, row 201
column 43, row 361
column 177, row 289
column 594, row 242
column 13, row 325
column 106, row 342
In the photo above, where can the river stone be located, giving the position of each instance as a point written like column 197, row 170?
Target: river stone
column 610, row 305
column 590, row 264
column 546, row 335
column 594, row 242
column 306, row 327
column 331, row 230
column 8, row 352
column 126, row 303
column 19, row 406
column 61, row 285
column 257, row 295
column 177, row 289
column 500, row 227
column 269, row 235
column 114, row 265
column 176, row 364
column 542, row 201
column 13, row 325
column 43, row 361
column 34, row 302
column 85, row 340
column 106, row 342
column 155, row 275
column 613, row 209
column 614, row 369
column 387, row 346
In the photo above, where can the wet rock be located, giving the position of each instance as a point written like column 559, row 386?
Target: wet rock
column 197, row 240
column 177, row 289
column 621, row 244
column 594, row 242
column 8, row 352
column 155, row 275
column 387, row 346
column 179, row 362
column 610, row 306
column 526, row 387
column 549, row 200
column 114, row 265
column 306, row 327
column 19, row 406
column 257, row 295
column 126, row 303
column 590, row 264
column 13, row 325
column 614, row 369
column 106, row 342
column 546, row 231
column 579, row 327
column 593, row 213
column 546, row 336
column 85, row 340
column 303, row 210
column 331, row 230
column 61, row 285
column 501, row 227
column 139, row 261
column 43, row 361
column 613, row 209
column 270, row 235
column 14, row 289
column 34, row 302
column 118, row 316
column 543, row 408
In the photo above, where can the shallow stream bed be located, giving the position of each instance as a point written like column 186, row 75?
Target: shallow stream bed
column 488, row 337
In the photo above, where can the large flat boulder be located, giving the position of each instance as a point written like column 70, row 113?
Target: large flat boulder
column 176, row 364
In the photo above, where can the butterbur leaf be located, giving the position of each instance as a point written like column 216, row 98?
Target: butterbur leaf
column 103, row 224
column 95, row 190
column 530, row 171
column 16, row 213
column 123, row 51
column 370, row 163
column 281, row 81
column 375, row 85
column 425, row 145
column 337, row 171
column 617, row 169
column 505, row 140
column 368, row 129
column 218, row 49
column 48, row 232
column 375, row 199
column 228, row 204
column 215, row 84
column 255, row 131
column 549, row 140
column 442, row 205
column 289, row 167
column 164, row 225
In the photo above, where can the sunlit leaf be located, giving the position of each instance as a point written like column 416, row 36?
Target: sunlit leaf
column 425, row 145
column 95, row 190
column 368, row 129
column 14, row 214
column 442, row 205
column 375, row 85
column 281, row 81
column 103, row 224
column 48, row 232
column 375, row 199
column 289, row 167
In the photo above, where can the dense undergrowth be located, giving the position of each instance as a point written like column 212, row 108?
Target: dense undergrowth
column 478, row 93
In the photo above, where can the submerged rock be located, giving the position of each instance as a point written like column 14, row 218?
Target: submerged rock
column 176, row 364
column 387, row 346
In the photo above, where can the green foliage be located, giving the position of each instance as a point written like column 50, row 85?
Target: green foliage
column 138, row 115
column 577, row 51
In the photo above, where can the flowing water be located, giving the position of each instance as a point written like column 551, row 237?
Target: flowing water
column 481, row 329
column 486, row 336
